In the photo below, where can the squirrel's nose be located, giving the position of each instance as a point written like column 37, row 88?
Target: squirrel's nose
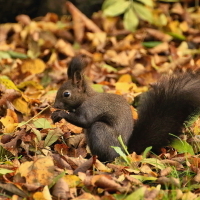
column 58, row 105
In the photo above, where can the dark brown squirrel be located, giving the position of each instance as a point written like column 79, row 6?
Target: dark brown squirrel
column 162, row 110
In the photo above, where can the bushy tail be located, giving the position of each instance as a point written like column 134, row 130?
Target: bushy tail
column 164, row 109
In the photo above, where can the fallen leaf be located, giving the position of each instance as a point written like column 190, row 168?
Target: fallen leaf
column 64, row 47
column 34, row 66
column 40, row 171
column 61, row 189
column 10, row 121
column 44, row 195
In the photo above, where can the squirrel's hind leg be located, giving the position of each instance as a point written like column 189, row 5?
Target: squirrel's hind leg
column 101, row 138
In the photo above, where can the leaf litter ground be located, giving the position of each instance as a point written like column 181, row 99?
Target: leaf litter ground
column 40, row 160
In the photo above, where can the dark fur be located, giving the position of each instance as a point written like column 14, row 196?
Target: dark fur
column 163, row 110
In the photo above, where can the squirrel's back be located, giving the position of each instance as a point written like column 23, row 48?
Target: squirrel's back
column 164, row 109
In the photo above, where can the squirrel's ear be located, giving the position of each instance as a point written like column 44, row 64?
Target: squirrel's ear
column 75, row 71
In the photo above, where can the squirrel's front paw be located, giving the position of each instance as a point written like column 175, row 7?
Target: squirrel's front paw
column 57, row 115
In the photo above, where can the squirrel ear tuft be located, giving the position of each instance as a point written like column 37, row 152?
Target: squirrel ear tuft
column 75, row 71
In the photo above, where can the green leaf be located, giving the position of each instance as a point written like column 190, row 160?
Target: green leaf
column 12, row 54
column 4, row 55
column 130, row 20
column 147, row 2
column 42, row 123
column 182, row 146
column 109, row 68
column 117, row 8
column 155, row 162
column 177, row 36
column 144, row 178
column 123, row 145
column 108, row 3
column 15, row 54
column 136, row 195
column 52, row 136
column 98, row 87
column 122, row 154
column 5, row 171
column 147, row 150
column 151, row 44
column 143, row 12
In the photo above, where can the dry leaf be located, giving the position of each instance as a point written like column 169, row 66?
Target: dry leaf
column 40, row 172
column 10, row 121
column 61, row 189
column 45, row 194
column 21, row 105
column 34, row 66
column 64, row 47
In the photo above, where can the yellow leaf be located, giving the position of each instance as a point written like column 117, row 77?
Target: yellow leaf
column 109, row 23
column 134, row 113
column 7, row 83
column 34, row 66
column 38, row 172
column 44, row 195
column 9, row 124
column 52, row 58
column 125, row 87
column 64, row 47
column 98, row 39
column 39, row 195
column 184, row 26
column 21, row 105
column 175, row 27
column 10, row 121
column 72, row 180
column 30, row 83
column 125, row 78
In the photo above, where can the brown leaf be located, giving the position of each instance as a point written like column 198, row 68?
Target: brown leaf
column 177, row 9
column 176, row 63
column 10, row 95
column 40, row 171
column 88, row 23
column 13, row 189
column 75, row 140
column 23, row 19
column 161, row 48
column 106, row 182
column 85, row 166
column 159, row 35
column 197, row 177
column 166, row 171
column 173, row 163
column 65, row 48
column 88, row 196
column 61, row 189
column 60, row 162
column 151, row 194
column 169, row 181
column 14, row 143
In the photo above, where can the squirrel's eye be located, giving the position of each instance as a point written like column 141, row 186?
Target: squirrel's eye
column 66, row 94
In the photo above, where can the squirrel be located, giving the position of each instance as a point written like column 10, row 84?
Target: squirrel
column 162, row 111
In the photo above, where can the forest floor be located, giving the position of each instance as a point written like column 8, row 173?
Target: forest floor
column 42, row 160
